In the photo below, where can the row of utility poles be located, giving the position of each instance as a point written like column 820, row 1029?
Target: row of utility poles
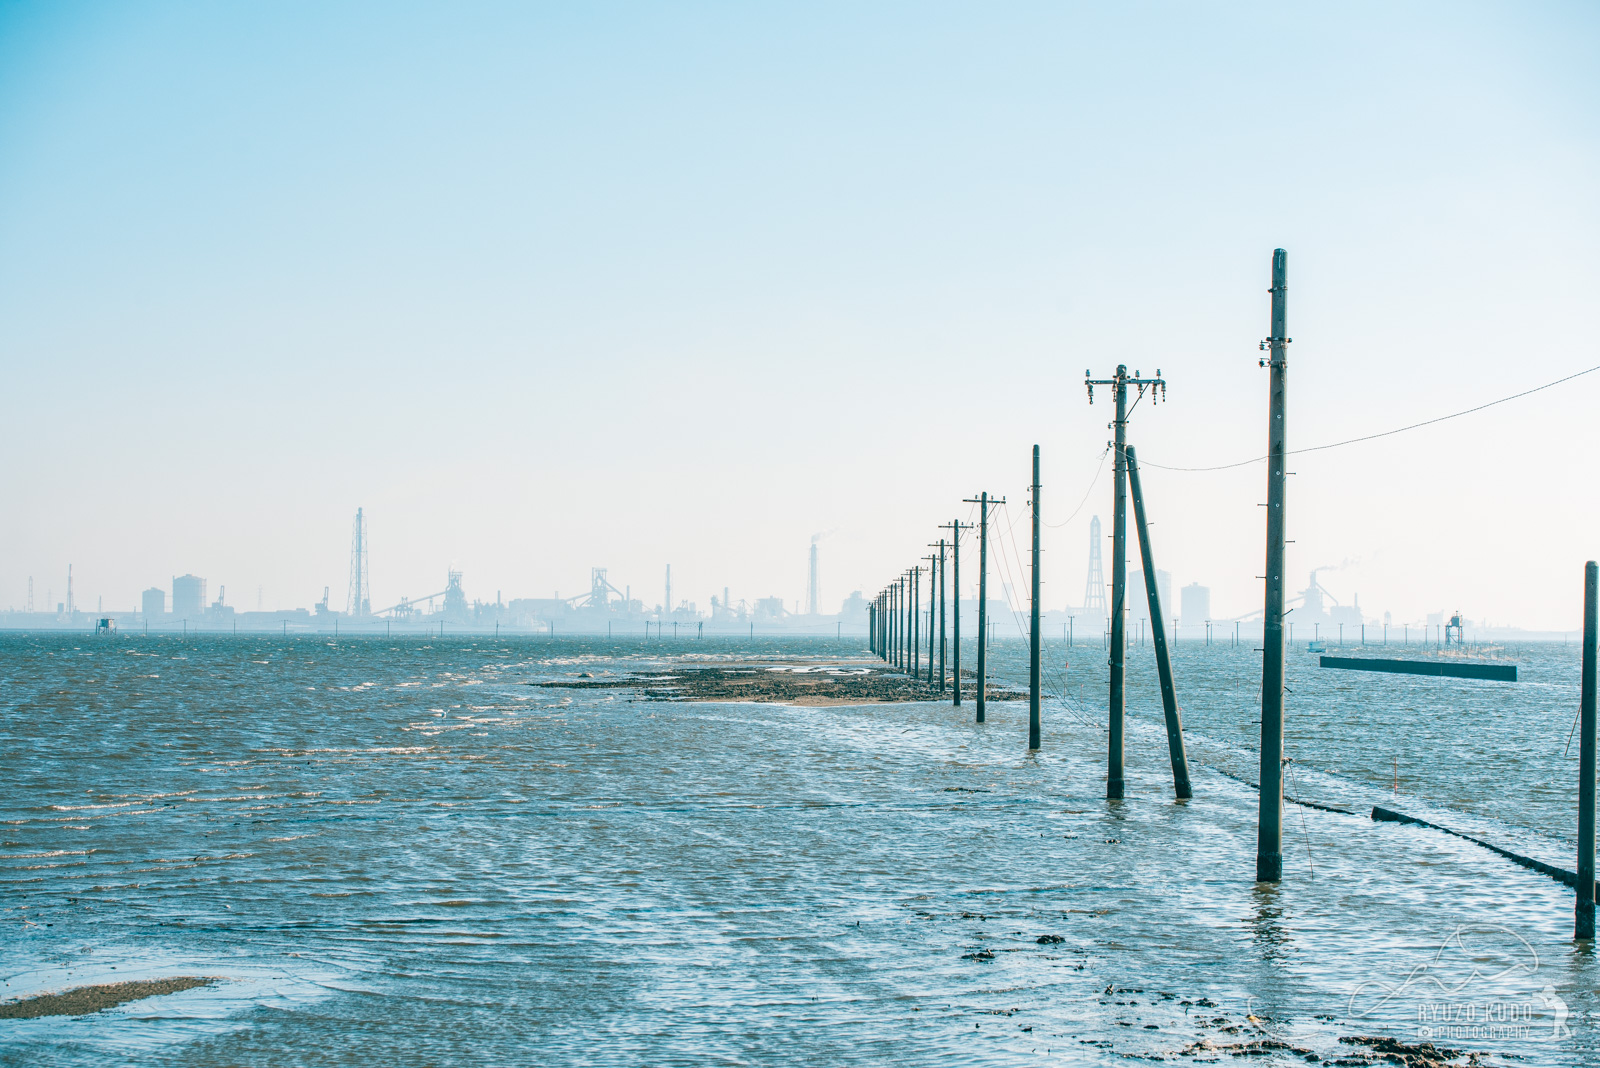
column 895, row 614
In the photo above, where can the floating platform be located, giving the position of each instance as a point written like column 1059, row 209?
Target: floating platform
column 1446, row 668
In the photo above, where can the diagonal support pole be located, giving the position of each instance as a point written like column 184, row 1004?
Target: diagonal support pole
column 1158, row 631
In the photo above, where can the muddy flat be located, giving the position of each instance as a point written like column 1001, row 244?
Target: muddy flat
column 846, row 682
column 83, row 1000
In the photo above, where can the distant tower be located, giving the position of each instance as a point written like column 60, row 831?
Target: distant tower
column 666, row 605
column 360, row 599
column 812, row 597
column 69, row 589
column 1094, row 591
column 30, row 593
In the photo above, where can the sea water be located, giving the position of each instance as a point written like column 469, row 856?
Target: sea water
column 408, row 852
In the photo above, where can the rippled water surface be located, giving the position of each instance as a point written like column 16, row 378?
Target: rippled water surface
column 403, row 852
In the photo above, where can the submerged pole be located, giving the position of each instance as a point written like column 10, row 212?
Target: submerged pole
column 1169, row 694
column 1586, row 759
column 983, row 601
column 916, row 621
column 1033, row 619
column 943, row 627
column 1117, row 702
column 1269, row 833
column 955, row 584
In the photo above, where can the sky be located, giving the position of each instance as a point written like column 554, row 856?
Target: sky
column 545, row 287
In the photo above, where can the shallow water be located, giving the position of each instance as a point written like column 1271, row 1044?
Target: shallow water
column 400, row 852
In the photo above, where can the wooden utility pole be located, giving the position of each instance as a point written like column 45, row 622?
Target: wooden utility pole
column 955, row 526
column 913, row 612
column 983, row 502
column 936, row 616
column 1169, row 695
column 1269, row 833
column 1117, row 701
column 943, row 626
column 1586, row 757
column 1033, row 629
column 894, row 623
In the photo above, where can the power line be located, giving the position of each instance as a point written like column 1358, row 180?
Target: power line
column 1086, row 493
column 1386, row 433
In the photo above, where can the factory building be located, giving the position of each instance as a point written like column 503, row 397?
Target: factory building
column 188, row 597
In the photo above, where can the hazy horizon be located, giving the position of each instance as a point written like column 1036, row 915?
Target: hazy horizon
column 622, row 287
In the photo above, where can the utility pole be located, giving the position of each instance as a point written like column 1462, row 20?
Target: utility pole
column 914, row 606
column 955, row 526
column 1586, row 755
column 1119, row 560
column 936, row 613
column 1169, row 695
column 1033, row 629
column 894, row 623
column 1269, row 833
column 983, row 502
column 944, row 628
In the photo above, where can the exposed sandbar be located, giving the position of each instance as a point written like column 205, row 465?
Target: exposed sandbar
column 840, row 683
column 86, row 999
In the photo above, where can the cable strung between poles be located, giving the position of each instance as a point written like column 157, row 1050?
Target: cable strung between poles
column 1385, row 433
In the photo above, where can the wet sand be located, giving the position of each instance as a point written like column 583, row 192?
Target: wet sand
column 86, row 999
column 845, row 682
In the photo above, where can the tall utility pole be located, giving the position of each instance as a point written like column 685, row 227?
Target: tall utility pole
column 1269, row 833
column 944, row 628
column 955, row 526
column 1119, row 559
column 1033, row 630
column 983, row 502
column 935, row 576
column 1584, row 918
column 894, row 623
column 916, row 621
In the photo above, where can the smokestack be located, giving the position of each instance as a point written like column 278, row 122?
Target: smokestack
column 811, row 582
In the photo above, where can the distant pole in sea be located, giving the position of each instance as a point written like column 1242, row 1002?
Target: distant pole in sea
column 1586, row 756
column 1269, row 834
column 983, row 502
column 916, row 621
column 1169, row 695
column 943, row 624
column 933, row 605
column 955, row 526
column 1033, row 629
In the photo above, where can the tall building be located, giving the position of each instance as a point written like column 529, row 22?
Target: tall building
column 188, row 597
column 1139, row 599
column 1196, row 604
column 154, row 602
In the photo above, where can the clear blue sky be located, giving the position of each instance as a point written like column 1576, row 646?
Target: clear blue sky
column 546, row 287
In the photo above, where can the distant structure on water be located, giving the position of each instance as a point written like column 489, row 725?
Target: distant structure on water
column 188, row 597
column 813, row 597
column 358, row 603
